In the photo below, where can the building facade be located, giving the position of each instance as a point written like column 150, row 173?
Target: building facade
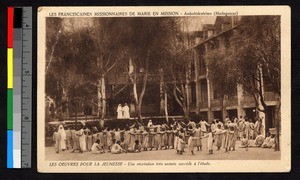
column 204, row 99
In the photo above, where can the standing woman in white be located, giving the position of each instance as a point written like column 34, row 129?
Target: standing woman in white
column 63, row 137
column 120, row 112
column 126, row 111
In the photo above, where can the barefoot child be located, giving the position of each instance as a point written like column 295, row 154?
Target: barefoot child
column 191, row 143
column 218, row 136
column 210, row 137
column 181, row 144
column 176, row 142
column 232, row 137
column 225, row 137
column 145, row 137
column 198, row 141
column 170, row 136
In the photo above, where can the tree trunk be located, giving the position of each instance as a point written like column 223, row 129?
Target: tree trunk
column 186, row 113
column 166, row 107
column 278, row 122
column 139, row 114
column 136, row 100
column 186, row 89
column 183, row 103
column 99, row 98
column 224, row 112
column 187, row 94
column 186, row 105
column 139, row 98
column 103, row 97
column 75, row 109
column 162, row 98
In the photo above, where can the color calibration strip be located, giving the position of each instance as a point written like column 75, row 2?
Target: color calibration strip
column 17, row 65
column 10, row 33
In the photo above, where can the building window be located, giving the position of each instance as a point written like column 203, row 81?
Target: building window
column 203, row 85
column 216, row 95
column 192, row 67
column 202, row 64
column 218, row 115
column 193, row 92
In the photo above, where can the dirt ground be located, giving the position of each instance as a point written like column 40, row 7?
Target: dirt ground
column 253, row 153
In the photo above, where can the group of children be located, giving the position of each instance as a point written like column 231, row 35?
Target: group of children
column 138, row 137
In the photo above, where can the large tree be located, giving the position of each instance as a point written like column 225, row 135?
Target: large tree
column 67, row 72
column 221, row 71
column 108, row 35
column 149, row 47
column 179, row 68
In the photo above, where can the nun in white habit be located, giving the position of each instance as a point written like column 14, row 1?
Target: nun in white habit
column 120, row 112
column 63, row 137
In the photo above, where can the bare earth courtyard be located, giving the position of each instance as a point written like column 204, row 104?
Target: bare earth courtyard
column 170, row 154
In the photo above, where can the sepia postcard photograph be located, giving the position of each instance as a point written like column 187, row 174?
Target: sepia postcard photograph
column 164, row 89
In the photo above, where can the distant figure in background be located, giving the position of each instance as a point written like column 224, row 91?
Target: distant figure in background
column 192, row 124
column 149, row 123
column 120, row 112
column 235, row 119
column 203, row 124
column 226, row 120
column 126, row 111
